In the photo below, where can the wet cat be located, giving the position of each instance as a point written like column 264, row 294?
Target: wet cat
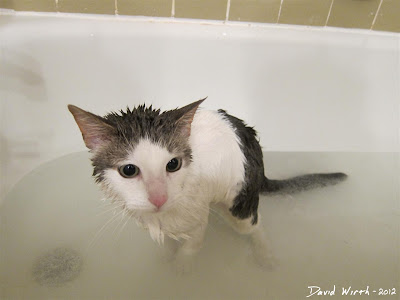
column 166, row 168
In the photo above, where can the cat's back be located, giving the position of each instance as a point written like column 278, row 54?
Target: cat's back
column 214, row 135
column 216, row 152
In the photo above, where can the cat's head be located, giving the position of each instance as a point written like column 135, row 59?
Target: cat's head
column 141, row 157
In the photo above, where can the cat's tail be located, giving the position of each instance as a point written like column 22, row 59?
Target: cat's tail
column 301, row 183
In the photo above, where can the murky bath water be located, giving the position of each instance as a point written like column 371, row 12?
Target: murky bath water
column 341, row 236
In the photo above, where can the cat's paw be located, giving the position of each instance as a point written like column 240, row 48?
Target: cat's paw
column 168, row 255
column 169, row 250
column 183, row 264
column 262, row 254
column 266, row 261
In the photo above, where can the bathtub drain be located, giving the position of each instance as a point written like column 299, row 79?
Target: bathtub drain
column 57, row 267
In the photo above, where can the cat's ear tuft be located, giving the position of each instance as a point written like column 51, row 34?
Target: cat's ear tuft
column 186, row 114
column 96, row 132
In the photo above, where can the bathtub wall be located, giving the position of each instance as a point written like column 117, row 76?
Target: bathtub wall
column 367, row 14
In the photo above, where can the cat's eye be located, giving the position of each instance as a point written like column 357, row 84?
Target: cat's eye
column 174, row 164
column 128, row 171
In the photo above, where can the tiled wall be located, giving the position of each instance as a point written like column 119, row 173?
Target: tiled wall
column 367, row 14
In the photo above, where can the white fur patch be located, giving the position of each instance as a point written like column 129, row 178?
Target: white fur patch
column 217, row 156
column 216, row 174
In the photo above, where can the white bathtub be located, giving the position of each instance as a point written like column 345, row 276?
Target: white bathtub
column 321, row 99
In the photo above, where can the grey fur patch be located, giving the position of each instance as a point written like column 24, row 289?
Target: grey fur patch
column 170, row 129
column 246, row 203
column 302, row 183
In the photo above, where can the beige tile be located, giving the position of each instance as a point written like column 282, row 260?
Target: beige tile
column 353, row 13
column 388, row 18
column 7, row 4
column 29, row 5
column 87, row 6
column 201, row 9
column 305, row 12
column 254, row 10
column 155, row 8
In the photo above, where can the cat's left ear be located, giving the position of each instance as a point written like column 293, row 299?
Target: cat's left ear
column 185, row 117
column 96, row 132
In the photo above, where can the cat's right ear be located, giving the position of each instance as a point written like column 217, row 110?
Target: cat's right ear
column 95, row 131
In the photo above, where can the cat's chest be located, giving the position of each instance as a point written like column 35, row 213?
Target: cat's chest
column 176, row 224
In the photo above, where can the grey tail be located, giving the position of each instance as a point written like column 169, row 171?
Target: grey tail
column 301, row 183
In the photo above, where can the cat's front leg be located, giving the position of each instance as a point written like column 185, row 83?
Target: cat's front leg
column 185, row 254
column 170, row 248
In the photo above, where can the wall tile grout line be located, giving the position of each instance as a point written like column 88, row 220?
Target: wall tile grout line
column 329, row 13
column 381, row 24
column 173, row 9
column 376, row 15
column 228, row 8
column 279, row 13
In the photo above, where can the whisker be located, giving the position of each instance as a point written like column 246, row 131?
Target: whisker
column 124, row 225
column 108, row 204
column 120, row 221
column 103, row 205
column 102, row 229
column 114, row 207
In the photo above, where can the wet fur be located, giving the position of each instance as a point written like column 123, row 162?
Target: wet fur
column 222, row 164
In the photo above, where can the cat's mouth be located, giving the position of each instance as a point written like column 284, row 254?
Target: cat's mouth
column 149, row 210
column 160, row 209
column 133, row 209
column 156, row 210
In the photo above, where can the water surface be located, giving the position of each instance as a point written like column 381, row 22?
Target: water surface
column 346, row 235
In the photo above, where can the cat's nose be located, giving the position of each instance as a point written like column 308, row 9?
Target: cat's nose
column 158, row 201
column 156, row 191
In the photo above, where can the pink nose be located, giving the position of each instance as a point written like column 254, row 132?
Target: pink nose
column 158, row 201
